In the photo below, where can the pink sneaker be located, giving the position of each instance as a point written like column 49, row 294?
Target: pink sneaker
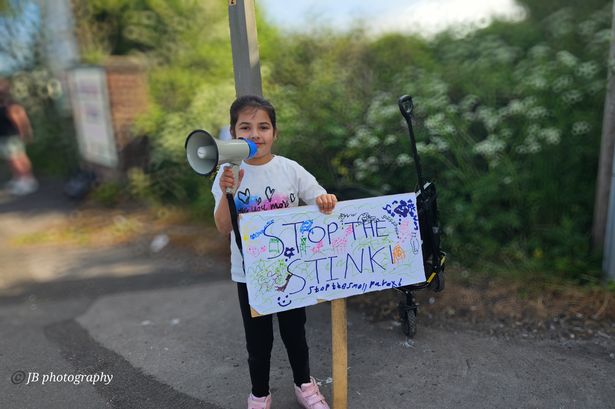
column 259, row 403
column 309, row 396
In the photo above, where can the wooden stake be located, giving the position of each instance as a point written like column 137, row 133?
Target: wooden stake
column 340, row 353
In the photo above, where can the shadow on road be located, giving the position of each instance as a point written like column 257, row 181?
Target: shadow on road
column 48, row 198
column 103, row 285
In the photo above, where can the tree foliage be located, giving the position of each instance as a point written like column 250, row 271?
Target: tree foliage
column 23, row 61
column 508, row 118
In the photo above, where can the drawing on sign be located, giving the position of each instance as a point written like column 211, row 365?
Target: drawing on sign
column 299, row 256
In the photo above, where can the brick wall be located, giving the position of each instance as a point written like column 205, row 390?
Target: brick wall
column 128, row 97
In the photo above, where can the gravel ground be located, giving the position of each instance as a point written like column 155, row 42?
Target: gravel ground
column 505, row 308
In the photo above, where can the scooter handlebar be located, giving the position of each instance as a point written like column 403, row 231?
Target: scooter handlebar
column 406, row 106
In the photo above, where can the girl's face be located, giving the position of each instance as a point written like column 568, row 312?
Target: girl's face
column 254, row 124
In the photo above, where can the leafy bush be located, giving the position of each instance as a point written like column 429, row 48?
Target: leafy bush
column 508, row 128
column 507, row 118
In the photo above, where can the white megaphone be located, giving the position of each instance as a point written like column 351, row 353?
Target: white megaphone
column 205, row 153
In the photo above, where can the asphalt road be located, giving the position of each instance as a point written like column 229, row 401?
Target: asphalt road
column 166, row 327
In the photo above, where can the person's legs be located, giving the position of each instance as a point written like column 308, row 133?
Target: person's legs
column 292, row 330
column 20, row 166
column 259, row 341
column 13, row 150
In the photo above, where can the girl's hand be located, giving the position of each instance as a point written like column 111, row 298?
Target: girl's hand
column 326, row 203
column 227, row 179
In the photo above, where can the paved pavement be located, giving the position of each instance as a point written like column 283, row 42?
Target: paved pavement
column 167, row 327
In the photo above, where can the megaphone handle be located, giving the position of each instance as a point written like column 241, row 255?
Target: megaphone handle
column 235, row 170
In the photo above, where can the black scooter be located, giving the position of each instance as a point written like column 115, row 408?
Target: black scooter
column 434, row 258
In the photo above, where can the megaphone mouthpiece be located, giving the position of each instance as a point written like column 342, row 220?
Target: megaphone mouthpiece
column 253, row 147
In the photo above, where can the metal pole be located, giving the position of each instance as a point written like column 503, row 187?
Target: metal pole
column 607, row 146
column 246, row 61
column 604, row 221
column 608, row 262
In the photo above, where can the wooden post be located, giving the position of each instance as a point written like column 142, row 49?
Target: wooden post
column 340, row 353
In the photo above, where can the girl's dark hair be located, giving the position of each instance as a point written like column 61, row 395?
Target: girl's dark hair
column 250, row 101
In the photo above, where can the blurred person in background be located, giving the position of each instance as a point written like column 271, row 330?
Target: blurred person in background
column 15, row 131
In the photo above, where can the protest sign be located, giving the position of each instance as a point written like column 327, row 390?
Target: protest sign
column 299, row 256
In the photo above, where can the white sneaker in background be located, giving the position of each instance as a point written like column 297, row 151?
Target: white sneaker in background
column 23, row 186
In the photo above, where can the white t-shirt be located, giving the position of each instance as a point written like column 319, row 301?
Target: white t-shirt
column 278, row 184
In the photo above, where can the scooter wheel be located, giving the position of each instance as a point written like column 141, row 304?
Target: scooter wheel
column 437, row 284
column 408, row 324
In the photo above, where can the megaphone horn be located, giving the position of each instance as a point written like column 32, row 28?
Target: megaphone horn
column 205, row 153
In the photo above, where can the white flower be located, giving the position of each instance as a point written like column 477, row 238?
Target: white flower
column 572, row 96
column 468, row 102
column 561, row 83
column 381, row 110
column 529, row 102
column 506, row 133
column 580, row 128
column 362, row 134
column 354, row 143
column 538, row 82
column 560, row 22
column 359, row 163
column 603, row 36
column 587, row 27
column 540, row 51
column 390, row 139
column 434, row 121
column 490, row 146
column 448, row 129
column 489, row 117
column 587, row 69
column 404, row 159
column 567, row 59
column 531, row 146
column 440, row 144
column 550, row 135
column 371, row 161
column 452, row 109
column 468, row 116
column 537, row 112
column 596, row 86
column 515, row 106
column 372, row 141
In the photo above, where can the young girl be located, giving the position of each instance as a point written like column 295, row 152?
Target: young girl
column 266, row 180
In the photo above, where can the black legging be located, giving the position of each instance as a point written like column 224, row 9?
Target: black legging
column 259, row 341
